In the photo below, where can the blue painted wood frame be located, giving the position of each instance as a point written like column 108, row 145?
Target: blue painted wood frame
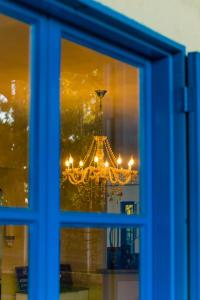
column 169, row 149
column 193, row 171
column 35, row 216
column 113, row 220
column 163, row 172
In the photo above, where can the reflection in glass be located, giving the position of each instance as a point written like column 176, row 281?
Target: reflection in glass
column 99, row 264
column 14, row 112
column 13, row 262
column 99, row 131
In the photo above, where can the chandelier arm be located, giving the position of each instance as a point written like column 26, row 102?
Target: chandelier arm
column 82, row 176
column 124, row 182
column 124, row 173
column 110, row 154
column 86, row 175
column 72, row 181
column 74, row 176
column 110, row 149
column 88, row 153
column 65, row 175
column 93, row 154
column 112, row 177
column 93, row 175
column 113, row 164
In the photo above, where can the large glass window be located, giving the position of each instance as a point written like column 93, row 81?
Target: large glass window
column 14, row 112
column 99, row 132
column 90, row 234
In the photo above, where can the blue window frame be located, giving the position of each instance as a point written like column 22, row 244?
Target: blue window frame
column 163, row 136
column 193, row 64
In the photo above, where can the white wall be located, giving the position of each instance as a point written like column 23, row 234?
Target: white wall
column 176, row 19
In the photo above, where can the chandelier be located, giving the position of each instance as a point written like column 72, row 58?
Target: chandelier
column 100, row 164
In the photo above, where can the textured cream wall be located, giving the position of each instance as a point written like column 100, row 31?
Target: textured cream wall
column 176, row 19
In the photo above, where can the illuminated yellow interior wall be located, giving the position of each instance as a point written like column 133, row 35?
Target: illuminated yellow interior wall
column 11, row 257
column 85, row 250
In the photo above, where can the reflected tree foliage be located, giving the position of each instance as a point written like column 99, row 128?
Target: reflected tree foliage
column 79, row 111
column 14, row 131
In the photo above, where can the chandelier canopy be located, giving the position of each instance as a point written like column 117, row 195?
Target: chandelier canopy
column 100, row 164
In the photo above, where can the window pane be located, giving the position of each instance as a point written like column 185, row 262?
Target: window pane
column 99, row 264
column 99, row 132
column 14, row 112
column 13, row 262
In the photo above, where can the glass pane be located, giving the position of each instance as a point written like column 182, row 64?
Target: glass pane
column 13, row 262
column 99, row 264
column 99, row 132
column 14, row 112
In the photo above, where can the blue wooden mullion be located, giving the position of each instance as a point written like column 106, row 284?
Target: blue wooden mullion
column 103, row 219
column 145, row 140
column 17, row 215
column 146, row 170
column 38, row 170
column 53, row 166
column 145, row 266
column 35, row 216
column 179, row 178
column 194, row 176
column 161, row 185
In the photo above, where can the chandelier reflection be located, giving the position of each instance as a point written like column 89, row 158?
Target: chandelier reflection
column 100, row 163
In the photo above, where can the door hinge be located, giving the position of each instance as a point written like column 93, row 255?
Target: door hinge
column 187, row 100
column 186, row 103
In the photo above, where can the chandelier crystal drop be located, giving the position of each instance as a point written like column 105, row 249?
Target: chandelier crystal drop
column 100, row 164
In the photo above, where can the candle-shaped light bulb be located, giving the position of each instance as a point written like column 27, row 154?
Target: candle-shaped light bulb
column 96, row 159
column 119, row 160
column 131, row 163
column 80, row 163
column 67, row 163
column 71, row 160
column 106, row 164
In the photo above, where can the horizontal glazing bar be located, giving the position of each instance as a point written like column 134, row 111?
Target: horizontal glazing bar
column 100, row 220
column 16, row 216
